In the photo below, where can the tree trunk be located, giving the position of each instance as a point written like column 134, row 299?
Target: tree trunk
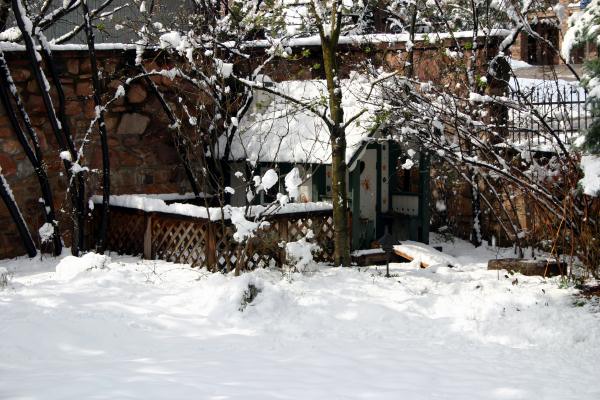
column 15, row 213
column 34, row 154
column 76, row 184
column 340, row 200
column 89, row 33
column 476, row 210
column 338, row 149
column 64, row 143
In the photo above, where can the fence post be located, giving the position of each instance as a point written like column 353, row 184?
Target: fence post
column 283, row 228
column 148, row 238
column 211, row 247
column 282, row 224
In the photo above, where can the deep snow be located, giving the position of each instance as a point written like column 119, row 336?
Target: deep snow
column 133, row 329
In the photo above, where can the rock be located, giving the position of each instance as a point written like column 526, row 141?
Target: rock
column 11, row 146
column 136, row 94
column 540, row 267
column 73, row 66
column 20, row 74
column 7, row 165
column 83, row 89
column 35, row 104
column 6, row 131
column 85, row 66
column 72, row 108
column 133, row 123
column 32, row 87
column 24, row 169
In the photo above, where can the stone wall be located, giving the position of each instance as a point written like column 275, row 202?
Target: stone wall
column 142, row 156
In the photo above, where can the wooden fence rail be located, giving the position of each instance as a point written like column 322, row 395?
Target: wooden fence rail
column 210, row 244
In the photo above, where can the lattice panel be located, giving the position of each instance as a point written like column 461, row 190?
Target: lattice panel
column 264, row 250
column 208, row 244
column 226, row 249
column 323, row 230
column 126, row 232
column 180, row 240
column 322, row 227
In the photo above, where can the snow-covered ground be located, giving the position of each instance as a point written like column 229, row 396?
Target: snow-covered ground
column 132, row 329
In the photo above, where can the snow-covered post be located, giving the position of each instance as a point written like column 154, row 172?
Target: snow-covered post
column 89, row 33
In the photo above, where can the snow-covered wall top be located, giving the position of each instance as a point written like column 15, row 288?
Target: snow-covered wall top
column 156, row 204
column 377, row 38
column 10, row 46
column 380, row 38
column 276, row 130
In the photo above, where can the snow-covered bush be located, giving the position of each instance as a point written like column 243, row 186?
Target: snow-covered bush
column 249, row 296
column 299, row 254
column 3, row 277
column 71, row 266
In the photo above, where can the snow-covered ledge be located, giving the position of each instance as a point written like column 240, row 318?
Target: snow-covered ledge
column 157, row 203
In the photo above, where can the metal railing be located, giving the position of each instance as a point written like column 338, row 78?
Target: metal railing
column 547, row 111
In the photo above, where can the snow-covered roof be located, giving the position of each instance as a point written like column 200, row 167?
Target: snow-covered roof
column 276, row 130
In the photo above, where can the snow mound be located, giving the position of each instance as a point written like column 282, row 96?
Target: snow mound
column 71, row 266
column 591, row 170
column 300, row 252
column 3, row 277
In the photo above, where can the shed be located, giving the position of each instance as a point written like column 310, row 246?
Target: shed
column 388, row 183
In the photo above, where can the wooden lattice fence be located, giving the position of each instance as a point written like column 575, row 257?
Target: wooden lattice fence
column 210, row 244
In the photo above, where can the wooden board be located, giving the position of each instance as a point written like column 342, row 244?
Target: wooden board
column 426, row 255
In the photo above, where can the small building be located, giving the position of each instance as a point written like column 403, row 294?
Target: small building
column 551, row 25
column 388, row 183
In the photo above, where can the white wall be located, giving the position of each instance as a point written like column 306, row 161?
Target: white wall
column 368, row 185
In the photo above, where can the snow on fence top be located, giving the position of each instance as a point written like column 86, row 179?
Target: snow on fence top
column 153, row 203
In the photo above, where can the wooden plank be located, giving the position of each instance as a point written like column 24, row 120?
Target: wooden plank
column 409, row 257
column 426, row 255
